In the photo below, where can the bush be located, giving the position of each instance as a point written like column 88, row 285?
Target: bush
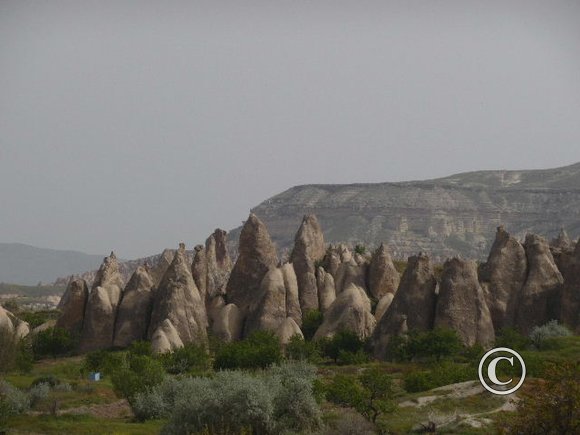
column 260, row 350
column 311, row 321
column 103, row 361
column 299, row 349
column 8, row 349
column 437, row 344
column 512, row 339
column 38, row 393
column 189, row 358
column 352, row 358
column 540, row 334
column 342, row 343
column 371, row 393
column 141, row 347
column 444, row 373
column 51, row 380
column 360, row 249
column 552, row 407
column 52, row 342
column 140, row 373
column 16, row 401
column 273, row 401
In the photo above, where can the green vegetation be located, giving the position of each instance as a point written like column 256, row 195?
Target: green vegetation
column 53, row 342
column 311, row 321
column 437, row 345
column 344, row 348
column 540, row 335
column 260, row 350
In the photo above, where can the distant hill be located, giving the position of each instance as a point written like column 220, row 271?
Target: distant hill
column 455, row 215
column 28, row 265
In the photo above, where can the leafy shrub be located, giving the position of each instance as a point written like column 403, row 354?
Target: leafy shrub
column 552, row 407
column 189, row 358
column 311, row 321
column 64, row 387
column 437, row 344
column 260, row 350
column 370, row 393
column 540, row 334
column 140, row 373
column 272, row 401
column 37, row 318
column 52, row 342
column 299, row 349
column 38, row 393
column 443, row 373
column 512, row 339
column 16, row 400
column 343, row 342
column 352, row 358
column 141, row 347
column 360, row 249
column 8, row 349
column 103, row 361
column 51, row 380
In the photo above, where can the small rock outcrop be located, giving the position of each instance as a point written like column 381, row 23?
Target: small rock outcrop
column 11, row 324
column 502, row 278
column 412, row 307
column 326, row 289
column 72, row 307
column 350, row 311
column 101, row 307
column 350, row 273
column 383, row 277
column 135, row 309
column 257, row 255
column 178, row 309
column 308, row 249
column 538, row 300
column 461, row 304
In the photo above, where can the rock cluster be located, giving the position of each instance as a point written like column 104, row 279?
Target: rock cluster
column 179, row 300
column 11, row 324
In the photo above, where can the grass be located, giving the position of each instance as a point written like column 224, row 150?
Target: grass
column 81, row 424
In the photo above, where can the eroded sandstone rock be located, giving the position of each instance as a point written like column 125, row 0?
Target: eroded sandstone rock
column 72, row 307
column 228, row 323
column 326, row 289
column 288, row 329
column 383, row 277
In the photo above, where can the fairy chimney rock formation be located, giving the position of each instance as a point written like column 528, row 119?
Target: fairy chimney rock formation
column 178, row 310
column 502, row 277
column 72, row 307
column 101, row 307
column 382, row 276
column 461, row 304
column 538, row 301
column 350, row 311
column 308, row 249
column 413, row 305
column 135, row 309
column 257, row 255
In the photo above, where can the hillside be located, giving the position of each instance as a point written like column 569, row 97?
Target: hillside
column 455, row 215
column 28, row 265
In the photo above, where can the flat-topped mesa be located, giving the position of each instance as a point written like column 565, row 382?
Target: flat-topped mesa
column 101, row 307
column 179, row 315
column 134, row 309
column 461, row 305
column 257, row 255
column 383, row 277
column 308, row 249
column 72, row 307
column 413, row 305
column 502, row 277
column 538, row 301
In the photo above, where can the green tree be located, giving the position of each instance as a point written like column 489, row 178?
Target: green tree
column 52, row 342
column 140, row 374
column 341, row 345
column 260, row 350
column 311, row 321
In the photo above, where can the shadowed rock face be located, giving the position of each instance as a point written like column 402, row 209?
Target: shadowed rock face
column 538, row 300
column 308, row 249
column 383, row 277
column 219, row 263
column 178, row 307
column 461, row 305
column 199, row 270
column 162, row 265
column 570, row 303
column 257, row 254
column 350, row 311
column 72, row 307
column 135, row 309
column 326, row 289
column 502, row 278
column 101, row 307
column 228, row 323
column 383, row 305
column 413, row 306
column 293, row 309
column 269, row 309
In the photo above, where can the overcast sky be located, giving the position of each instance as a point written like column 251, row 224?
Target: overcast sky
column 135, row 125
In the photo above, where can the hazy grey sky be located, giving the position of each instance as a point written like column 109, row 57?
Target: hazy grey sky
column 135, row 125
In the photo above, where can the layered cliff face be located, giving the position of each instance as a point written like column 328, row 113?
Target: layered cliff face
column 445, row 217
